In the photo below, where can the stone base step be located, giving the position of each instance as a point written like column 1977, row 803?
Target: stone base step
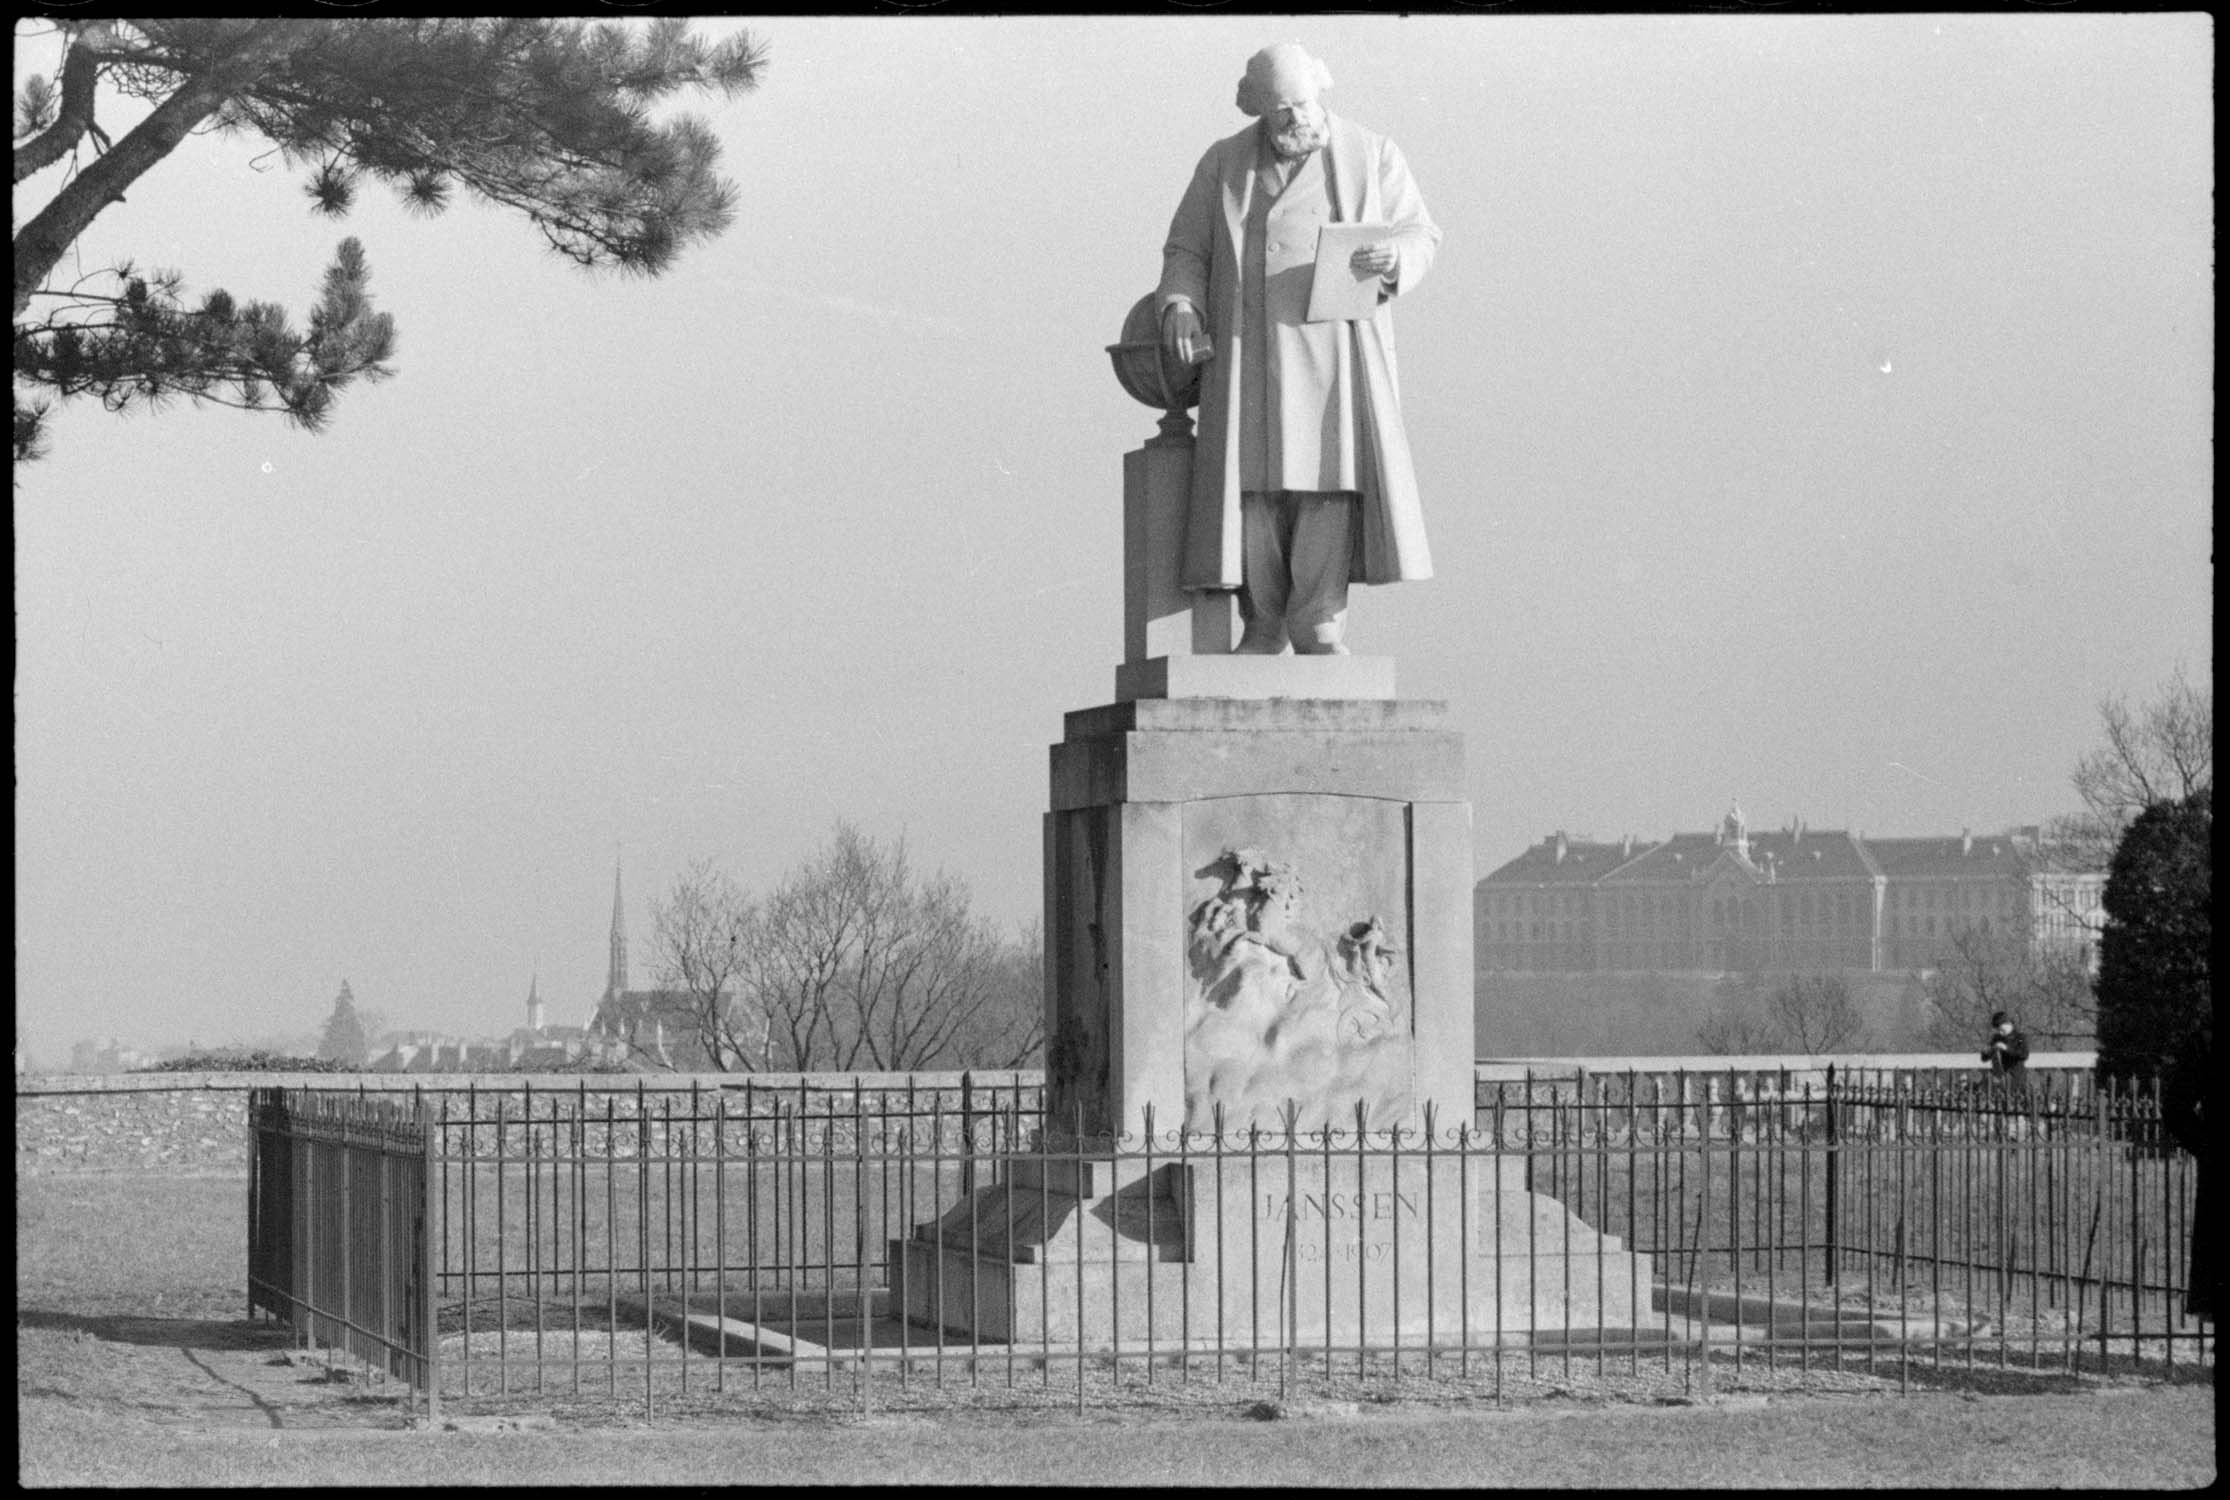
column 1133, row 1300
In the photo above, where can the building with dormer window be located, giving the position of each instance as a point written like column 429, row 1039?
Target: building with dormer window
column 1793, row 898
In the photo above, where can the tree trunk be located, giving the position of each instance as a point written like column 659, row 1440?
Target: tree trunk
column 51, row 232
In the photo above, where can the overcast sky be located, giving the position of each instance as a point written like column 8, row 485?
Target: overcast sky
column 1810, row 411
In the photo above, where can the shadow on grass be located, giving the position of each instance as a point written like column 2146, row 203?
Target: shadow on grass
column 2018, row 1373
column 526, row 1314
column 167, row 1333
column 269, row 1412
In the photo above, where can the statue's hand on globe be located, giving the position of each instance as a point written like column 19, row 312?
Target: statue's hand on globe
column 1148, row 362
column 1183, row 340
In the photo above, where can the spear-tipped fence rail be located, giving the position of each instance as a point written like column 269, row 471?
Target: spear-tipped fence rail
column 341, row 1215
column 646, row 1242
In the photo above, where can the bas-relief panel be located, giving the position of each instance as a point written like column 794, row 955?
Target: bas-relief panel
column 1297, row 910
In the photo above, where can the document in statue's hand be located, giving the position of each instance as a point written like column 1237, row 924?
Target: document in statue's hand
column 1338, row 290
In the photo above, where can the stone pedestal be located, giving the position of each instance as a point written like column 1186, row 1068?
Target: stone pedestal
column 1161, row 993
column 1258, row 913
column 1160, row 617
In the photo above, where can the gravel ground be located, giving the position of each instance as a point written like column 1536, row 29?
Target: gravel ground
column 2154, row 1437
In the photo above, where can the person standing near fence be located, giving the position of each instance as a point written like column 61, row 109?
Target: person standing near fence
column 2007, row 1053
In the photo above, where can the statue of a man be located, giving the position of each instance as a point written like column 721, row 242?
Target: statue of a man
column 1301, row 476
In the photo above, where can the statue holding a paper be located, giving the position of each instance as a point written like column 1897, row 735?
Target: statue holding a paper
column 1282, row 262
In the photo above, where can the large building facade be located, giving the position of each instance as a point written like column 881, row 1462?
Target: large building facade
column 1794, row 898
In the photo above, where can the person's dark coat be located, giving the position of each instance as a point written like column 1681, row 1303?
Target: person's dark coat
column 2008, row 1057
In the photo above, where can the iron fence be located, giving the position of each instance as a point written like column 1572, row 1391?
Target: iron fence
column 1968, row 1218
column 600, row 1242
column 339, row 1220
column 1744, row 1082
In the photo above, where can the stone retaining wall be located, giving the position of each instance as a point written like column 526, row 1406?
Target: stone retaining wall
column 82, row 1126
column 198, row 1122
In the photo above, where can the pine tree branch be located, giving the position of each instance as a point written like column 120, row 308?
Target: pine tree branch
column 80, row 75
column 50, row 233
column 143, row 345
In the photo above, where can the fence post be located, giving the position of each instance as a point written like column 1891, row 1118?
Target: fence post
column 259, row 1201
column 1834, row 1239
column 347, row 1164
column 304, row 1236
column 967, row 1134
column 429, row 1332
column 255, row 1154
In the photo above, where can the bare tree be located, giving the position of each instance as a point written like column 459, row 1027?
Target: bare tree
column 1009, row 1031
column 705, row 934
column 2046, row 988
column 798, row 966
column 1816, row 1014
column 1739, row 1023
column 1732, row 1033
column 852, row 963
column 923, row 972
column 2161, row 750
column 855, row 963
column 1808, row 1013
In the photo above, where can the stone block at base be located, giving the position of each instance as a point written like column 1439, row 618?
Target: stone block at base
column 1233, row 676
column 1267, row 1249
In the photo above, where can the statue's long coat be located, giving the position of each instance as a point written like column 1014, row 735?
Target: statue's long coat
column 1370, row 183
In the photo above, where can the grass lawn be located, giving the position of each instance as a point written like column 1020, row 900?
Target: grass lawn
column 136, row 1365
column 140, row 1245
column 2150, row 1439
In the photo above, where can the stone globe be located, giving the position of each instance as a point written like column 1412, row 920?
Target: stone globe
column 1142, row 370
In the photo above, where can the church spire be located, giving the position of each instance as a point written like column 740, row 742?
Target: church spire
column 615, row 984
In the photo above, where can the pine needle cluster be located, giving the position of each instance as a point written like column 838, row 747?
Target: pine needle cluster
column 548, row 118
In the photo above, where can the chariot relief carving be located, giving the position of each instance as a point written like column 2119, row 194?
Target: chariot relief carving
column 1279, row 1010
